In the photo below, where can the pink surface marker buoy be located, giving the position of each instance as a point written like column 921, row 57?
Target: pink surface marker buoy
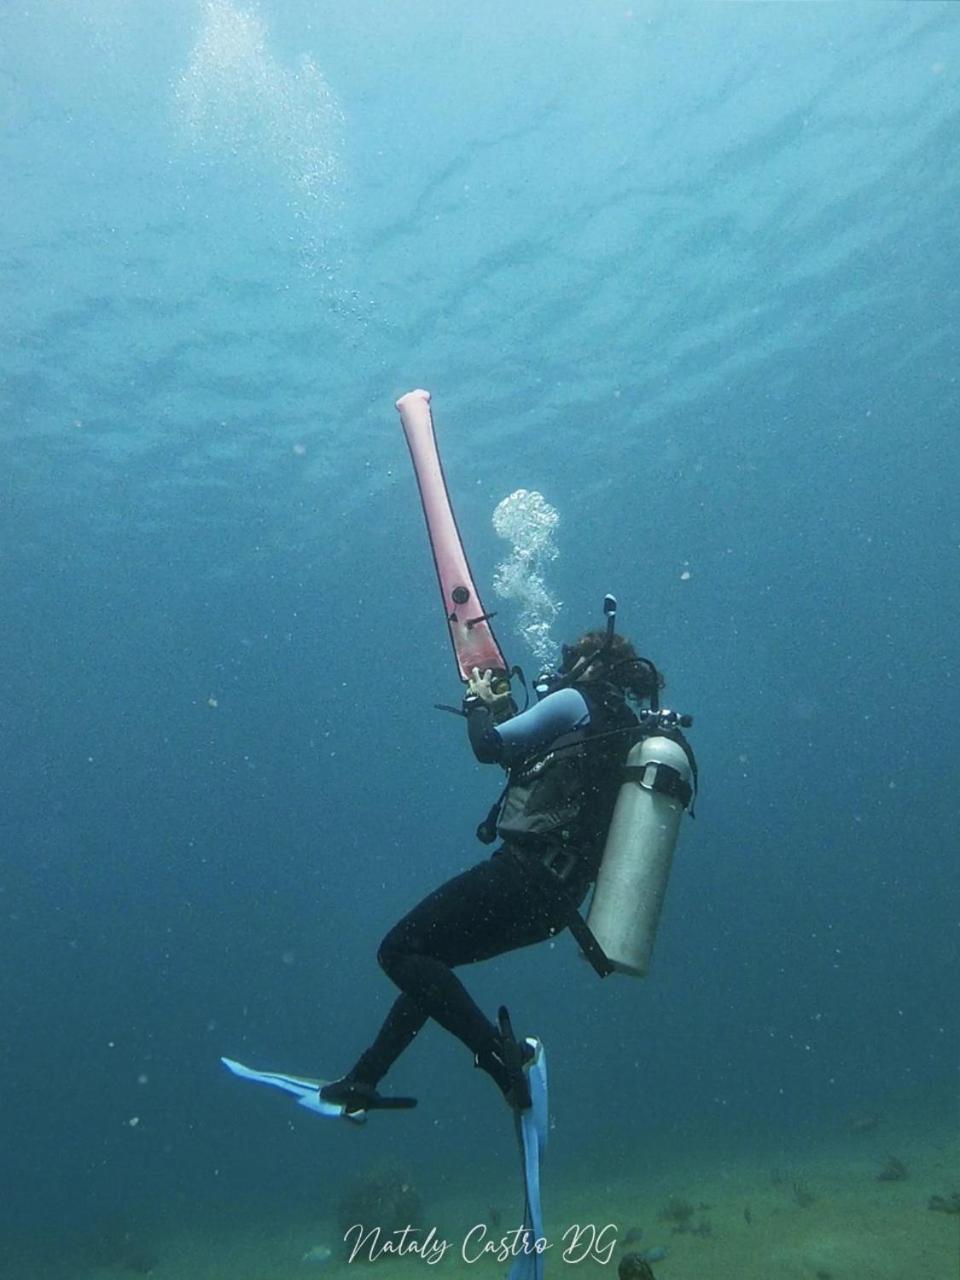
column 474, row 643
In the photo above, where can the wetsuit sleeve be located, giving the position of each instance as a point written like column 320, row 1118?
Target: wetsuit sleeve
column 558, row 713
column 482, row 732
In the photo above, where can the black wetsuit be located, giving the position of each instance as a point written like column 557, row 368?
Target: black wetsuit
column 552, row 822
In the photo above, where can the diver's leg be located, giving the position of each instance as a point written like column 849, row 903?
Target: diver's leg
column 401, row 1025
column 492, row 908
column 357, row 1090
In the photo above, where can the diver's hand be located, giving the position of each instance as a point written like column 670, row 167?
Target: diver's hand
column 493, row 691
column 482, row 687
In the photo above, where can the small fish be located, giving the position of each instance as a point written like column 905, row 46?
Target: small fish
column 319, row 1253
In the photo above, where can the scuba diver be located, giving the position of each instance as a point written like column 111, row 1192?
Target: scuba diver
column 563, row 758
column 596, row 787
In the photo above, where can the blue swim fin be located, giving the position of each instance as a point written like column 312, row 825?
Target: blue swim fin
column 531, row 1123
column 306, row 1090
column 532, row 1127
column 303, row 1088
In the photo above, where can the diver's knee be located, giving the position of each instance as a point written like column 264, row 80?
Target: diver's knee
column 389, row 952
column 401, row 945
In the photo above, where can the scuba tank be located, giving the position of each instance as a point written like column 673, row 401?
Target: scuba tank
column 638, row 853
column 659, row 778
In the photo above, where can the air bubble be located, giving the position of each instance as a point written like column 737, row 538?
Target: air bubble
column 528, row 522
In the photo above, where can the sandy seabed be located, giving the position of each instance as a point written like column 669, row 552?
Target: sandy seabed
column 822, row 1214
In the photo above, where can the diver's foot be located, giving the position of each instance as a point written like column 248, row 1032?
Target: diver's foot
column 507, row 1060
column 517, row 1093
column 352, row 1095
column 356, row 1096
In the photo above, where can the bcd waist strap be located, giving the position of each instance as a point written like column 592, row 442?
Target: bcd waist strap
column 539, row 871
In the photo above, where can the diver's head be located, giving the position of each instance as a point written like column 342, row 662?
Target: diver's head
column 604, row 657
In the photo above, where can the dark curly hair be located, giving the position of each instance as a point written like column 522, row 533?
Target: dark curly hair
column 622, row 666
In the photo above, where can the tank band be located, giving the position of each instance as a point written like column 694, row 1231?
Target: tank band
column 660, row 777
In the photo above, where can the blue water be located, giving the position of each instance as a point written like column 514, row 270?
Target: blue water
column 689, row 270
